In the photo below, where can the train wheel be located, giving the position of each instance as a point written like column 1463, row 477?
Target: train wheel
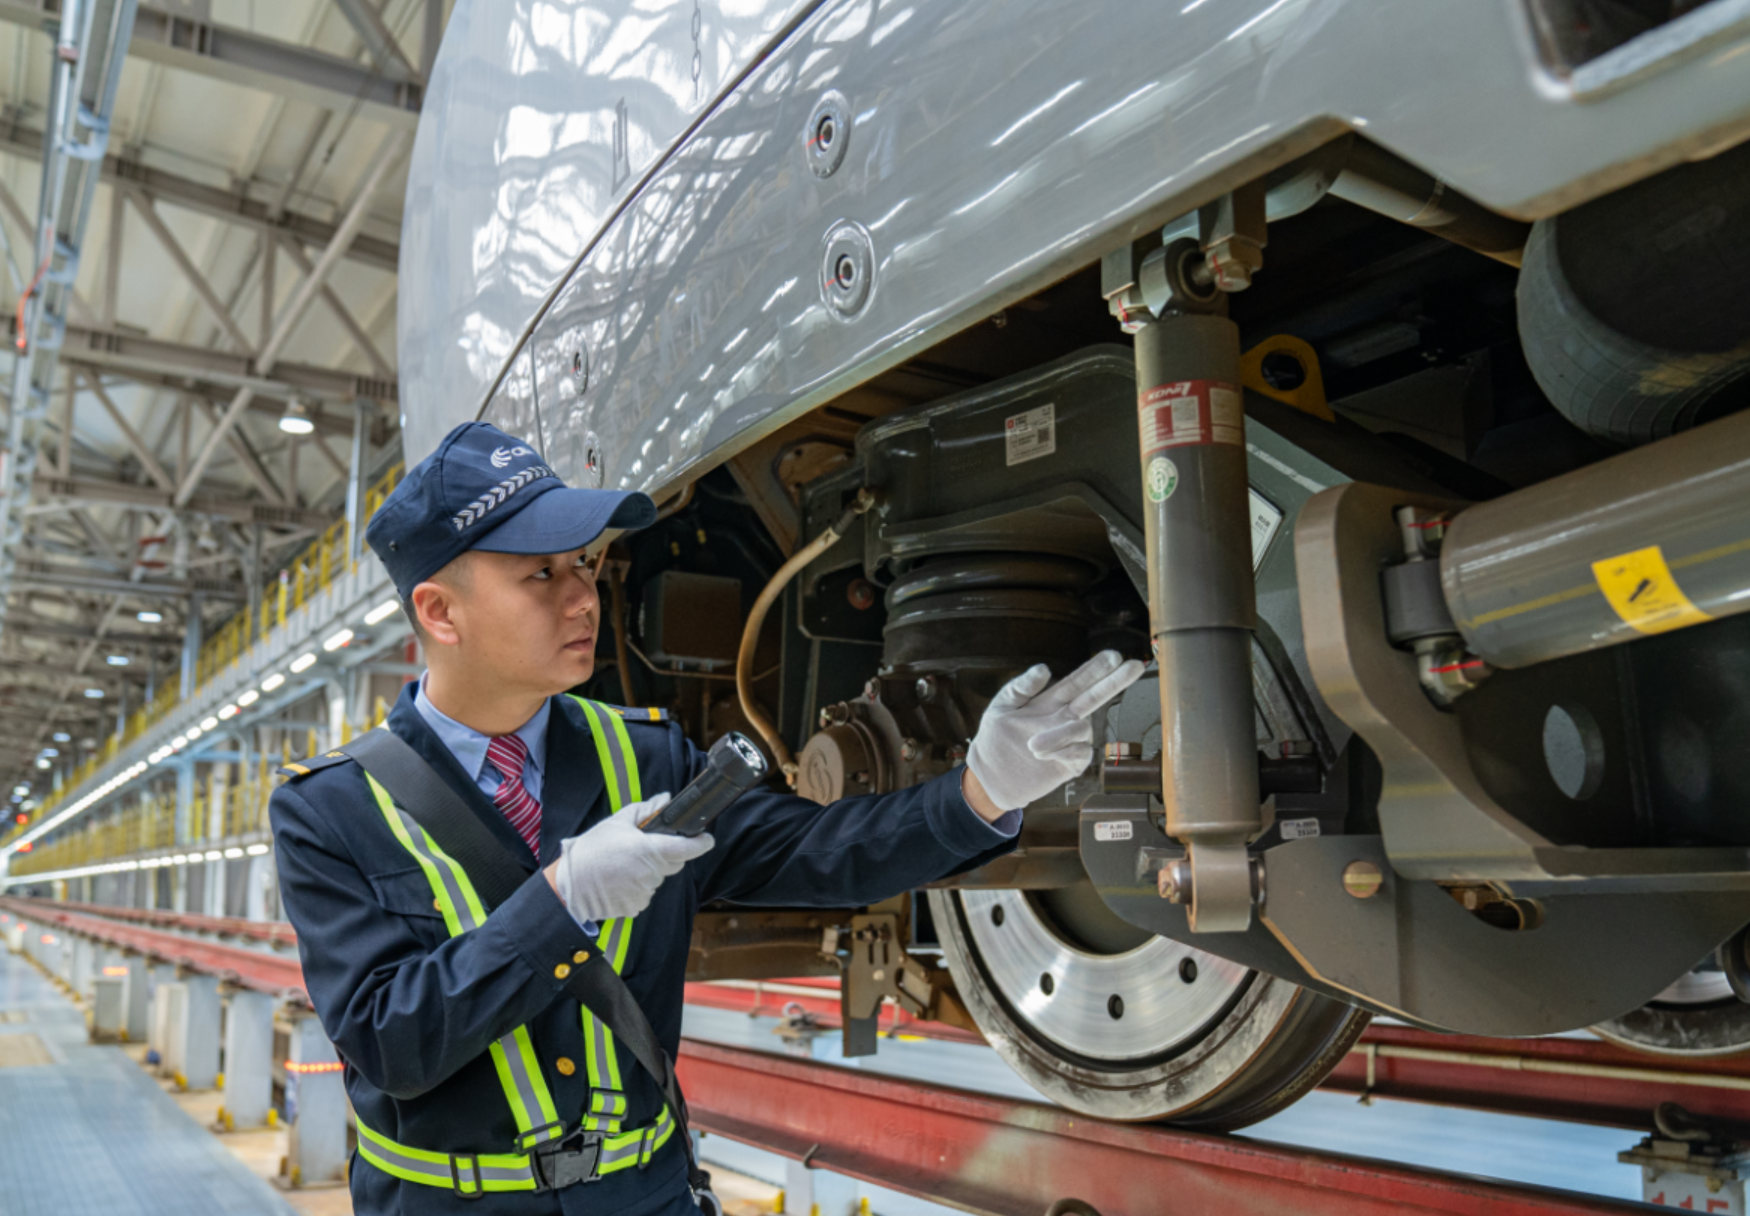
column 1113, row 1022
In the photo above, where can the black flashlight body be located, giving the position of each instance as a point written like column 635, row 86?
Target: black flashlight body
column 732, row 767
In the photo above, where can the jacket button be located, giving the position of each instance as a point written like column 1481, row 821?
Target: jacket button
column 582, row 956
column 565, row 1066
column 561, row 971
column 438, row 904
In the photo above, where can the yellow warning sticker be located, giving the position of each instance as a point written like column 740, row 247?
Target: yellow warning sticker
column 1644, row 592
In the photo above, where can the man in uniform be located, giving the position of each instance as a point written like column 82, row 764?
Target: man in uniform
column 472, row 1070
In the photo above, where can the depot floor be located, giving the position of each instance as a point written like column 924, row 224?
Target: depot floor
column 87, row 1129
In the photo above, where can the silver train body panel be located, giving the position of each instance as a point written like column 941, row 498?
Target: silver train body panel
column 616, row 244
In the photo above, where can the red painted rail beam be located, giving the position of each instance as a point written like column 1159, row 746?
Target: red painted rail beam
column 273, row 932
column 1583, row 1080
column 1005, row 1158
column 255, row 969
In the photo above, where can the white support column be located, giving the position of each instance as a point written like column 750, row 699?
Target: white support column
column 248, row 1060
column 194, row 1034
column 169, row 1005
column 315, row 1108
column 814, row 1192
column 108, row 1008
column 139, row 994
column 81, row 968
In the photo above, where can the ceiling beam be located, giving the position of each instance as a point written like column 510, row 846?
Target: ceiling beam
column 379, row 41
column 241, row 510
column 71, row 578
column 83, row 633
column 233, row 206
column 267, row 407
column 101, row 675
column 388, row 155
column 126, row 353
column 154, row 469
column 248, row 59
column 167, row 239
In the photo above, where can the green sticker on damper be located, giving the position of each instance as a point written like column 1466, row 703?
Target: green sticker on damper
column 1162, row 479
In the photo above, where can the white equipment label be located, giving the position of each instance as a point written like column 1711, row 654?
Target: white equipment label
column 1298, row 829
column 1031, row 435
column 1108, row 830
column 1265, row 520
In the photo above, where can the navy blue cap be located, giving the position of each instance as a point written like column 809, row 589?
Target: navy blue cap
column 483, row 489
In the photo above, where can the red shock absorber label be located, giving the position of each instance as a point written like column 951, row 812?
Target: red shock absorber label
column 1188, row 412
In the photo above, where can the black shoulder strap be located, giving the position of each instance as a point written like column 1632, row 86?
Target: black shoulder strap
column 416, row 787
column 496, row 875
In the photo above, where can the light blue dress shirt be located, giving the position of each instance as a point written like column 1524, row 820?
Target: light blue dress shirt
column 468, row 745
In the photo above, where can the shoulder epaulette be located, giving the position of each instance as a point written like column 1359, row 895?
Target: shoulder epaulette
column 640, row 714
column 293, row 769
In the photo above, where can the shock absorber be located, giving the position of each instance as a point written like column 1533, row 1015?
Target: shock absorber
column 1202, row 606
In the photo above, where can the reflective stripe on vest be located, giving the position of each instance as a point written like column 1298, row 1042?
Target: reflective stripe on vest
column 513, row 1055
column 607, row 1096
column 471, row 1173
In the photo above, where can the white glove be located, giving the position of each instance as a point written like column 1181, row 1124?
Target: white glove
column 1032, row 738
column 613, row 869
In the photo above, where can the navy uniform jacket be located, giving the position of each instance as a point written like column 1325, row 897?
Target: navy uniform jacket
column 412, row 1011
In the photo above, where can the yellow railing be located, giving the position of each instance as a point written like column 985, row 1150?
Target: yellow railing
column 306, row 576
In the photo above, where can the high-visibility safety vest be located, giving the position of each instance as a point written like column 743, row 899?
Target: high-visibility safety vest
column 537, row 1119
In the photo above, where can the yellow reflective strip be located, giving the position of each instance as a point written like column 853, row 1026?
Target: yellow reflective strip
column 512, row 1092
column 598, row 731
column 618, row 725
column 628, row 1139
column 376, row 1137
column 386, row 804
column 537, row 1082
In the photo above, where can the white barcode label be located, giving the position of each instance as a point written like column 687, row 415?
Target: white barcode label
column 1108, row 830
column 1298, row 829
column 1031, row 435
column 1265, row 520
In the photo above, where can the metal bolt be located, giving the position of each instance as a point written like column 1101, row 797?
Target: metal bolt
column 926, row 688
column 1175, row 882
column 909, row 750
column 1362, row 879
column 1116, row 752
column 872, row 690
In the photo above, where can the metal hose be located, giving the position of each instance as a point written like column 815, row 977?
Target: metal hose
column 750, row 635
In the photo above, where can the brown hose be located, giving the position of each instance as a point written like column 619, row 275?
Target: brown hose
column 750, row 635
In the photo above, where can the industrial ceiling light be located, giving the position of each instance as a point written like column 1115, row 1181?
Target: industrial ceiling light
column 62, row 736
column 148, row 618
column 382, row 612
column 296, row 419
column 117, row 660
column 248, row 698
column 304, row 661
column 96, row 694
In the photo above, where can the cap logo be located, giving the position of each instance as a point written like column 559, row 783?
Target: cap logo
column 494, row 498
column 503, row 456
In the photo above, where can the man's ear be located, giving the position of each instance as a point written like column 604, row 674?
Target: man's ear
column 433, row 604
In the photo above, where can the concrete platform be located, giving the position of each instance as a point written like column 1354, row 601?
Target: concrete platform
column 84, row 1132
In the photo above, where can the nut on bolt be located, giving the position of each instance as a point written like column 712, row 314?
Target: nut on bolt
column 1174, row 882
column 926, row 688
column 1363, row 879
column 909, row 750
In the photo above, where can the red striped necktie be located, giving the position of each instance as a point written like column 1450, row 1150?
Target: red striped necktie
column 508, row 754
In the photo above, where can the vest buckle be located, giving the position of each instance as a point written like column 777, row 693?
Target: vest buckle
column 562, row 1163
